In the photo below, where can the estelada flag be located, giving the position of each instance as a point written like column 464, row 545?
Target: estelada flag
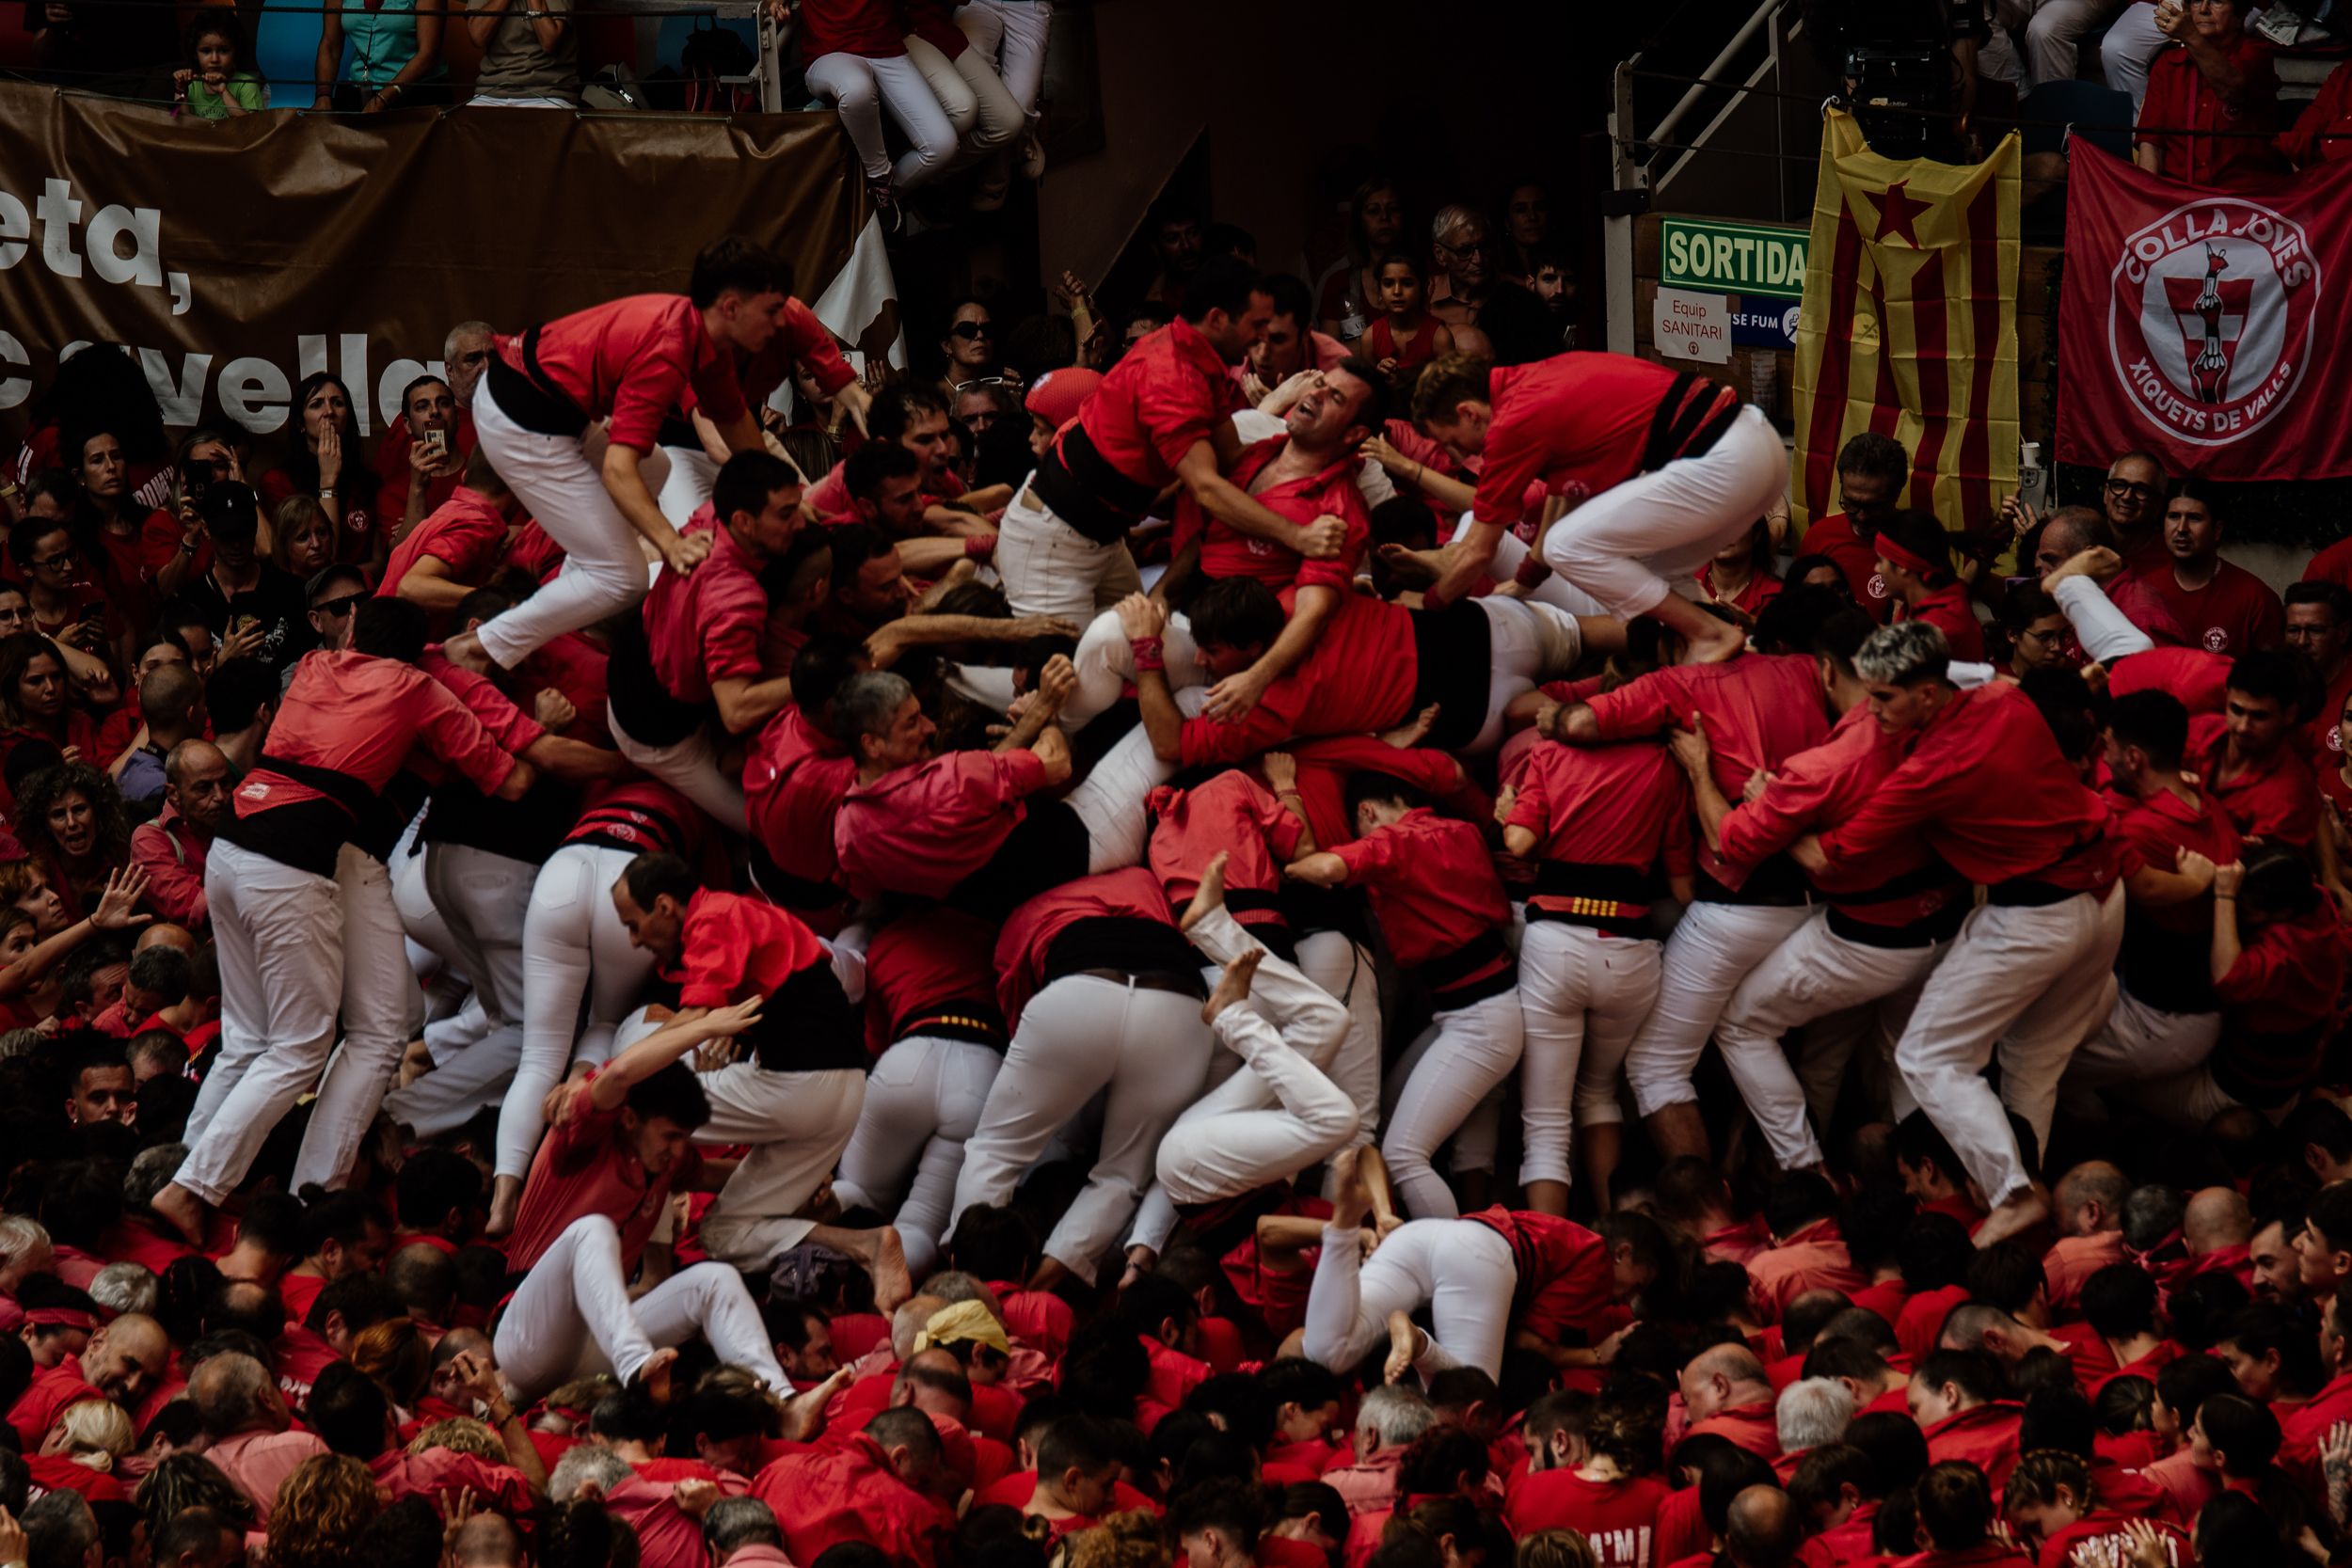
column 1910, row 325
column 2191, row 321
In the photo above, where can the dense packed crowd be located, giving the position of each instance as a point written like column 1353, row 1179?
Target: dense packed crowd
column 1279, row 925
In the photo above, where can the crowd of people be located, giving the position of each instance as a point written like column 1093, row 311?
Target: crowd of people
column 1282, row 925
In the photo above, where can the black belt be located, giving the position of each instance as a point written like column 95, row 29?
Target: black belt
column 2031, row 892
column 530, row 396
column 1777, row 882
column 975, row 1022
column 1449, row 975
column 649, row 711
column 1615, row 899
column 1084, row 491
column 1688, row 426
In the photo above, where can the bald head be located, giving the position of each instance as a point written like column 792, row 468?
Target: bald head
column 126, row 1358
column 234, row 1393
column 1760, row 1528
column 168, row 694
column 486, row 1540
column 1723, row 1377
column 1975, row 1326
column 933, row 1382
column 908, row 1321
column 2216, row 1217
column 2089, row 1199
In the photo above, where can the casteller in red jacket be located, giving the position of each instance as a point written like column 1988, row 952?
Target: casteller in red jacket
column 874, row 1486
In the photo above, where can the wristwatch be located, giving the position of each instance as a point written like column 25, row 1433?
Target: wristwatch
column 327, row 493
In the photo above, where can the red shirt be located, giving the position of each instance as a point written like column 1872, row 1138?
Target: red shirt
column 2235, row 613
column 799, row 338
column 2198, row 678
column 1835, row 537
column 706, row 626
column 2299, row 1434
column 2102, row 1537
column 465, row 533
column 1921, row 1321
column 794, row 780
column 1605, row 805
column 2072, row 1260
column 1814, row 1259
column 2288, row 974
column 1985, row 1435
column 2181, row 113
column 633, row 359
column 1762, row 588
column 583, row 1168
column 1565, row 1276
column 1618, row 1518
column 1578, row 422
column 922, row 830
column 848, row 1492
column 1134, row 894
column 1234, row 815
column 1167, row 392
column 2274, row 798
column 45, row 1397
column 56, row 1472
column 1750, row 1426
column 1846, row 1543
column 1947, row 610
column 935, row 961
column 1360, row 675
column 734, row 948
column 171, row 853
column 647, row 815
column 1225, row 552
column 1759, row 710
column 394, row 476
column 868, row 27
column 1433, row 886
column 1323, row 764
column 2322, row 134
column 1986, row 786
column 360, row 716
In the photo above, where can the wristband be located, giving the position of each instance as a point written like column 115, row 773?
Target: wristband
column 1532, row 572
column 1148, row 652
column 981, row 547
column 327, row 492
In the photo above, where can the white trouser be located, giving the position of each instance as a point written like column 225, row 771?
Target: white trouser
column 690, row 768
column 1710, row 951
column 1555, row 590
column 923, row 1102
column 574, row 947
column 484, row 101
column 379, row 996
column 1525, row 644
column 860, row 88
column 1465, row 1054
column 1013, row 32
column 2032, row 980
column 1109, row 801
column 573, row 1316
column 2140, row 1043
column 1813, row 973
column 1105, row 663
column 1078, row 1037
column 796, row 1123
column 2129, row 48
column 692, row 475
column 279, row 933
column 1460, row 1269
column 1626, row 545
column 974, row 97
column 949, row 87
column 1333, row 961
column 1583, row 995
column 2103, row 631
column 2053, row 30
column 1279, row 1115
column 1049, row 568
column 483, row 896
column 604, row 564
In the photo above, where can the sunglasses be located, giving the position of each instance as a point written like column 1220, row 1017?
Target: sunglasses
column 341, row 605
column 968, row 331
column 2125, row 487
column 62, row 557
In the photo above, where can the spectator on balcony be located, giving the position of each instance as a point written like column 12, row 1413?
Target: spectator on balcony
column 102, row 388
column 214, row 84
column 1405, row 334
column 395, row 57
column 1504, row 325
column 1176, row 239
column 2212, row 107
column 964, row 81
column 327, row 461
column 856, row 51
column 530, row 56
column 2323, row 131
column 1347, row 296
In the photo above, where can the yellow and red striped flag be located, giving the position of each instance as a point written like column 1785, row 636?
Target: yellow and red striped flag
column 1910, row 326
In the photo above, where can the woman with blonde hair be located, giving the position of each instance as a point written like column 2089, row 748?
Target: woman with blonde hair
column 320, row 1511
column 79, row 1453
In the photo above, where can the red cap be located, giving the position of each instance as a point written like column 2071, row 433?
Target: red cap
column 1059, row 394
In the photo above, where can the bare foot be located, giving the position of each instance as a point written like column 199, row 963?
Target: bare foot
column 1232, row 987
column 1210, row 896
column 1411, row 734
column 506, row 1200
column 805, row 1412
column 893, row 1285
column 1351, row 1199
column 2020, row 1213
column 466, row 650
column 654, row 1376
column 415, row 1062
column 1715, row 646
column 1413, row 568
column 1403, row 1347
column 1050, row 1275
column 182, row 1210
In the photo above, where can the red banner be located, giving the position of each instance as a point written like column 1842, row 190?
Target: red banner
column 2206, row 325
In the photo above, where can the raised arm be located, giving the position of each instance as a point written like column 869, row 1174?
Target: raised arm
column 667, row 1044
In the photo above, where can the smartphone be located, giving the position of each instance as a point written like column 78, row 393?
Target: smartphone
column 434, row 443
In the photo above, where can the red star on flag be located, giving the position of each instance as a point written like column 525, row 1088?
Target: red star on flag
column 1898, row 212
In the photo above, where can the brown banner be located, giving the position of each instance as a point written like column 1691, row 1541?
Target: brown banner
column 237, row 257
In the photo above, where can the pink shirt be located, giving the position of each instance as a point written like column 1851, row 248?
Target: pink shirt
column 260, row 1461
column 923, row 830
